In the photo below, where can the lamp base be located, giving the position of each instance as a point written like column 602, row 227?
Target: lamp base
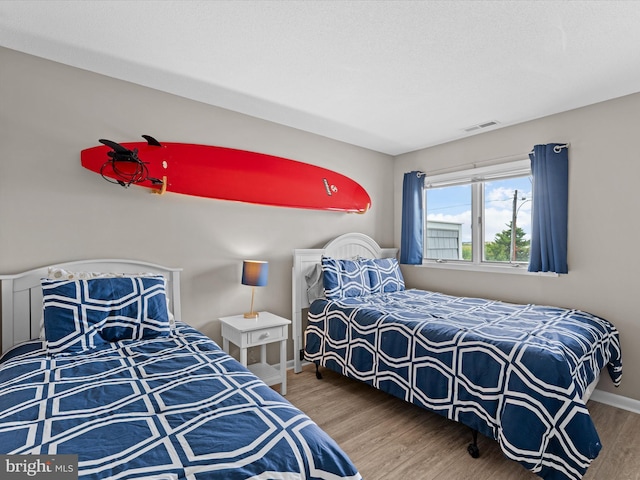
column 251, row 315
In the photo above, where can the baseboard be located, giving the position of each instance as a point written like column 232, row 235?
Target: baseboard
column 291, row 364
column 617, row 401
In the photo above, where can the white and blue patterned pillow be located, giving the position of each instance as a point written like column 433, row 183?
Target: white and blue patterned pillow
column 59, row 273
column 82, row 314
column 384, row 275
column 344, row 278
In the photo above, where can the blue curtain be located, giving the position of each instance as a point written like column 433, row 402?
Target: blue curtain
column 550, row 169
column 411, row 243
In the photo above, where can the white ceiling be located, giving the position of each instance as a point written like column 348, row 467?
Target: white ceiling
column 392, row 76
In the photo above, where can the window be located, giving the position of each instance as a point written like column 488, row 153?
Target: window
column 479, row 216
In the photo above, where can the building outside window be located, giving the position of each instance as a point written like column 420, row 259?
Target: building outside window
column 444, row 240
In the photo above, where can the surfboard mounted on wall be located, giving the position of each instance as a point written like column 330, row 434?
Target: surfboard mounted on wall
column 225, row 174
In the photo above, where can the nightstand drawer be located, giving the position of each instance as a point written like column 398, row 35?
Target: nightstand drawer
column 266, row 335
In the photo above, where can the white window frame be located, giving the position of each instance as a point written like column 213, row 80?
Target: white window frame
column 476, row 177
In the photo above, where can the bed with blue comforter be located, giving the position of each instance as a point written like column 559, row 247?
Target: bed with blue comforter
column 136, row 396
column 515, row 373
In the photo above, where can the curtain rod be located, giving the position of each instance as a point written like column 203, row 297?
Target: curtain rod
column 488, row 162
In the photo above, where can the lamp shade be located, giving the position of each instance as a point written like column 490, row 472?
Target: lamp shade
column 254, row 273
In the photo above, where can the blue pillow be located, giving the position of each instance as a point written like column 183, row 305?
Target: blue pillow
column 344, row 278
column 84, row 314
column 384, row 275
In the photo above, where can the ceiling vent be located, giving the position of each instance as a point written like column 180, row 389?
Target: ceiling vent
column 480, row 126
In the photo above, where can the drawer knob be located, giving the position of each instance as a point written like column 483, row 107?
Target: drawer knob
column 265, row 335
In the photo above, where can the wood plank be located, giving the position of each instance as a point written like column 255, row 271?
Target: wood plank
column 619, row 432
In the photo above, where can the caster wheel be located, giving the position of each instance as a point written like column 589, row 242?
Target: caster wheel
column 473, row 450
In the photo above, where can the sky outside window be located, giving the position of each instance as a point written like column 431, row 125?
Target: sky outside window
column 453, row 204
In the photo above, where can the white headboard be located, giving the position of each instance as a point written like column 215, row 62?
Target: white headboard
column 347, row 246
column 22, row 294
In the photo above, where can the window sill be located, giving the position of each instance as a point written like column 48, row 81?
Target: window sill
column 487, row 268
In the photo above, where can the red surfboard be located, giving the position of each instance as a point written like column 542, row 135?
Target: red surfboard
column 226, row 174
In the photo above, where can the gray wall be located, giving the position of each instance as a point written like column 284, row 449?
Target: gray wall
column 603, row 229
column 53, row 210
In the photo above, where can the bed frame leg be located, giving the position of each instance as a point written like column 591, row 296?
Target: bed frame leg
column 473, row 449
column 318, row 374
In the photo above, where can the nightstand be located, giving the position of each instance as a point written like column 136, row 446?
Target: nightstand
column 251, row 332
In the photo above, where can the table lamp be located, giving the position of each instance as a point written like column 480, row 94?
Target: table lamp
column 254, row 273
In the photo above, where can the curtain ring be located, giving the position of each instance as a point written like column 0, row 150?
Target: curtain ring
column 558, row 148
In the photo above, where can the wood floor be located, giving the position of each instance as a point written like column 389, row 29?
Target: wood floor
column 387, row 438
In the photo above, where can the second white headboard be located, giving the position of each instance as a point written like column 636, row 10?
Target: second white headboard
column 347, row 246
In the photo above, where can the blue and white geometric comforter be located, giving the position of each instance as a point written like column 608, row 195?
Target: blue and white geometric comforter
column 174, row 407
column 515, row 373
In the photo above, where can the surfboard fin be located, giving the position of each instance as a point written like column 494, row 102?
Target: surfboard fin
column 116, row 147
column 152, row 141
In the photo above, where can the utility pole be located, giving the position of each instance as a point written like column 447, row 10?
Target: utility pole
column 513, row 226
